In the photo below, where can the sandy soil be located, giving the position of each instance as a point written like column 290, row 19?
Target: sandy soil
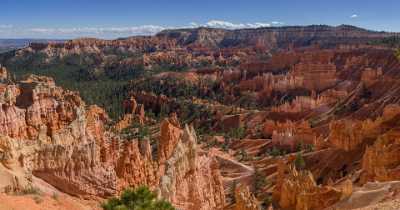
column 43, row 202
column 371, row 196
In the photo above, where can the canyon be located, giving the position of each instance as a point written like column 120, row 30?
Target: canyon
column 271, row 118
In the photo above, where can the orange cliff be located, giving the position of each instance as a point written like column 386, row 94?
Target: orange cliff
column 380, row 161
column 50, row 133
column 290, row 134
column 245, row 200
column 298, row 190
column 350, row 134
column 192, row 180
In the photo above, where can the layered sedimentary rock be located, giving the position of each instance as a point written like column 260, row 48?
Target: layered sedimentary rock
column 3, row 73
column 245, row 200
column 57, row 141
column 347, row 135
column 381, row 160
column 369, row 75
column 135, row 166
column 134, row 114
column 303, row 104
column 94, row 45
column 316, row 76
column 169, row 138
column 290, row 134
column 192, row 181
column 350, row 134
column 51, row 134
column 298, row 190
column 273, row 36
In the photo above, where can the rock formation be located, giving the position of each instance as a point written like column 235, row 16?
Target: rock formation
column 380, row 161
column 256, row 96
column 298, row 190
column 134, row 113
column 51, row 134
column 290, row 134
column 245, row 200
column 192, row 181
column 3, row 73
column 272, row 36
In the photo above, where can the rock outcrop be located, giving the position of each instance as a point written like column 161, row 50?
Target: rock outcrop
column 134, row 113
column 271, row 37
column 290, row 134
column 298, row 190
column 3, row 73
column 50, row 133
column 169, row 138
column 245, row 200
column 351, row 134
column 192, row 181
column 381, row 160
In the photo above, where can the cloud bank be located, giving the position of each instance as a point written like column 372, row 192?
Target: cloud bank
column 5, row 26
column 138, row 30
column 11, row 31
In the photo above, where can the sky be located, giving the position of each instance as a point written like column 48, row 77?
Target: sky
column 65, row 19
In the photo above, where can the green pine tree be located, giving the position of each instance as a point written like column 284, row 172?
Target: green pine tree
column 299, row 162
column 140, row 199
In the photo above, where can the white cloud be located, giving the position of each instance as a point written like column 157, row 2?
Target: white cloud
column 277, row 23
column 354, row 16
column 257, row 25
column 138, row 30
column 4, row 26
column 229, row 25
column 222, row 24
column 194, row 24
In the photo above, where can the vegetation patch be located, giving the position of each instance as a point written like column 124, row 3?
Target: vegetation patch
column 140, row 199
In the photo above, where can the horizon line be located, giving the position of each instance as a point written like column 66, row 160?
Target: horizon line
column 196, row 28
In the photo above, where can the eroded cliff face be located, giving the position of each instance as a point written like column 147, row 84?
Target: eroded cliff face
column 192, row 181
column 352, row 134
column 54, row 140
column 271, row 37
column 245, row 200
column 298, row 190
column 380, row 161
column 50, row 133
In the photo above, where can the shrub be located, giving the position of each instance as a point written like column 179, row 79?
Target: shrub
column 242, row 155
column 309, row 147
column 397, row 54
column 37, row 199
column 237, row 133
column 140, row 199
column 30, row 190
column 260, row 181
column 275, row 152
column 267, row 201
column 54, row 196
column 143, row 132
column 305, row 147
column 225, row 147
column 299, row 162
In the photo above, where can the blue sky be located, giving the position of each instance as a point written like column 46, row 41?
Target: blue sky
column 118, row 18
